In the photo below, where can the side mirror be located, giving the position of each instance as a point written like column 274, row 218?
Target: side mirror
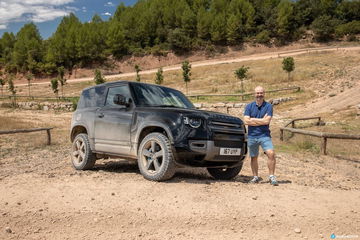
column 121, row 100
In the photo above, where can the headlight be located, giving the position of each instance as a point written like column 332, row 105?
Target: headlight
column 193, row 122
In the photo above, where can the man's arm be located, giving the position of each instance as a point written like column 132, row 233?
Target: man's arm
column 257, row 121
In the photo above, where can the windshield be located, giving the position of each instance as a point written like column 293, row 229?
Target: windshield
column 157, row 96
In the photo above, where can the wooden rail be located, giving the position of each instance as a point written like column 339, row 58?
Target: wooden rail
column 30, row 130
column 292, row 122
column 243, row 94
column 323, row 135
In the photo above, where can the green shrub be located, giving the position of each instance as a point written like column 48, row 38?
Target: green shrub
column 263, row 37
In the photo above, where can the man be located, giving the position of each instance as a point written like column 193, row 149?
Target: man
column 257, row 116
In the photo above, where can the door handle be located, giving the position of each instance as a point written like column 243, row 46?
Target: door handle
column 100, row 115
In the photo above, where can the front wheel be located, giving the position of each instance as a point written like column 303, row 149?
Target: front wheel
column 155, row 158
column 82, row 156
column 224, row 173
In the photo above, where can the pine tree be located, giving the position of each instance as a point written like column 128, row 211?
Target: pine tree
column 288, row 65
column 186, row 67
column 137, row 70
column 54, row 86
column 11, row 88
column 2, row 82
column 241, row 74
column 233, row 30
column 98, row 78
column 29, row 77
column 159, row 78
column 61, row 78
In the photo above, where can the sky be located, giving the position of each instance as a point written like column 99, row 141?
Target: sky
column 47, row 14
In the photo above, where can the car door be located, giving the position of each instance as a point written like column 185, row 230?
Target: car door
column 113, row 122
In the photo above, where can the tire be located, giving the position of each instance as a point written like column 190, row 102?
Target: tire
column 224, row 173
column 82, row 157
column 155, row 158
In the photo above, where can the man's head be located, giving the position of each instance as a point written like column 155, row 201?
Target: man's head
column 259, row 93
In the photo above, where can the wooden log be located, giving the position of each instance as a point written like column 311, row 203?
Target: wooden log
column 24, row 130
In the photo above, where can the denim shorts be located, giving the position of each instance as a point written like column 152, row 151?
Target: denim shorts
column 254, row 143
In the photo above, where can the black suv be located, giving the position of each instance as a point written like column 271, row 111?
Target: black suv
column 159, row 127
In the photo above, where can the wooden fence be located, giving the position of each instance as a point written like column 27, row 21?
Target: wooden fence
column 296, row 89
column 323, row 135
column 30, row 130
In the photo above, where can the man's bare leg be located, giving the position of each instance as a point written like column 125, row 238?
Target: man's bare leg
column 271, row 161
column 255, row 166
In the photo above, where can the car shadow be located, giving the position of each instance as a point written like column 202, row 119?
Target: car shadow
column 117, row 167
column 187, row 175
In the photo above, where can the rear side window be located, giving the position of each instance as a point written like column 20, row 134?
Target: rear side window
column 93, row 97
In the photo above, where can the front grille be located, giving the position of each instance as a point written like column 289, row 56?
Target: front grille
column 226, row 127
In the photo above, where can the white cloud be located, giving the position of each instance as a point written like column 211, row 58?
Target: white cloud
column 84, row 9
column 106, row 14
column 109, row 4
column 32, row 10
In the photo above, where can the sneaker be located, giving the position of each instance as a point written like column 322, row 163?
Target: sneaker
column 272, row 180
column 255, row 180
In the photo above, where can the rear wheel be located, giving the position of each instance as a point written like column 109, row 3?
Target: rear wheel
column 82, row 156
column 224, row 173
column 155, row 158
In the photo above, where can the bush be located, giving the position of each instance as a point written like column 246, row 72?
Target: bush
column 263, row 37
column 348, row 28
column 324, row 27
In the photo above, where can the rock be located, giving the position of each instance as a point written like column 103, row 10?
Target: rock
column 216, row 105
column 297, row 230
column 332, row 95
column 96, row 220
column 239, row 105
column 46, row 108
column 254, row 198
column 230, row 105
column 333, row 212
column 198, row 105
column 112, row 194
column 8, row 230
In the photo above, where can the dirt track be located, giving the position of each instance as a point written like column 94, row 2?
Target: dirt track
column 253, row 57
column 43, row 197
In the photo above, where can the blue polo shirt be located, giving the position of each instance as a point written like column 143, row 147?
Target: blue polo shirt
column 254, row 111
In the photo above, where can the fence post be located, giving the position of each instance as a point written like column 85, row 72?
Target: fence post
column 48, row 136
column 281, row 135
column 323, row 146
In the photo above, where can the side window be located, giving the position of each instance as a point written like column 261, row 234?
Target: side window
column 123, row 90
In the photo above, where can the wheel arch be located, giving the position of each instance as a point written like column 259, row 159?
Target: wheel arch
column 150, row 129
column 77, row 130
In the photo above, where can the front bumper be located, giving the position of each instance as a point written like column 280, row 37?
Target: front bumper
column 204, row 153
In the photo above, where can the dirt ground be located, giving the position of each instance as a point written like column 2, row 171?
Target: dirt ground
column 43, row 197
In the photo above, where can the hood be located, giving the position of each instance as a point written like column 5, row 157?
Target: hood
column 208, row 115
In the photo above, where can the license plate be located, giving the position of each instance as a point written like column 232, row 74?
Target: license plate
column 230, row 151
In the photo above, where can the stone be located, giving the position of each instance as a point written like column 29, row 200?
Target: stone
column 46, row 108
column 297, row 230
column 8, row 230
column 198, row 105
column 239, row 105
column 217, row 105
column 254, row 198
